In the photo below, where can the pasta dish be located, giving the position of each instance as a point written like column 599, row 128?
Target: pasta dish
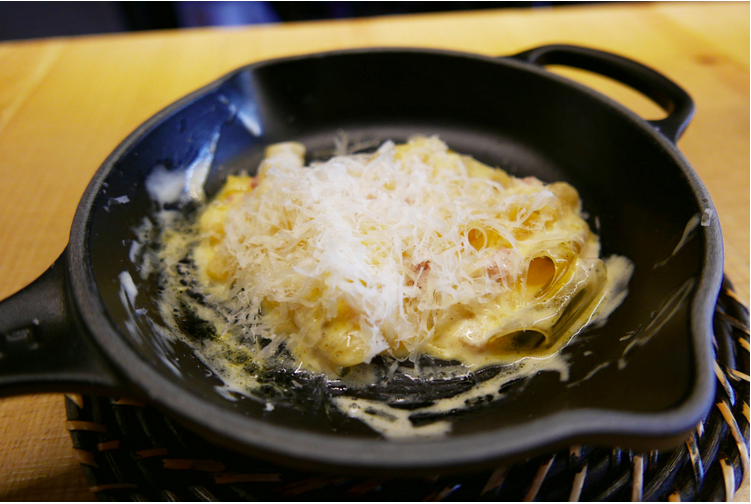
column 408, row 251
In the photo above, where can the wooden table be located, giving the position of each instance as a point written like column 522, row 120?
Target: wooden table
column 66, row 103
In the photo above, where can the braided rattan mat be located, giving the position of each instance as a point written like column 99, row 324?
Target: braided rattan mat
column 130, row 451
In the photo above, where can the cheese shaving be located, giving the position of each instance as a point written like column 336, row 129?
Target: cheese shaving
column 409, row 250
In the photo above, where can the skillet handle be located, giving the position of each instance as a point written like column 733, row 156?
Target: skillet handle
column 655, row 86
column 42, row 346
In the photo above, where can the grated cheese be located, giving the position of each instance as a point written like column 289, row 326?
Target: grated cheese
column 413, row 249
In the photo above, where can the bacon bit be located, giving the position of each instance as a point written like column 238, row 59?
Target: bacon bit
column 422, row 270
column 500, row 275
column 421, row 273
column 493, row 272
column 254, row 182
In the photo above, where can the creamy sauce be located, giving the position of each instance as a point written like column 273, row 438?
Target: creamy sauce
column 120, row 200
column 396, row 423
column 165, row 186
column 674, row 302
column 198, row 171
column 688, row 233
column 248, row 363
column 171, row 186
column 128, row 290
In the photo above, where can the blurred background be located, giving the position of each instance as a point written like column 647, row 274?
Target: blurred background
column 28, row 20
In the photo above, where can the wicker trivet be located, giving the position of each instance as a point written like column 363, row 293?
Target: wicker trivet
column 130, row 451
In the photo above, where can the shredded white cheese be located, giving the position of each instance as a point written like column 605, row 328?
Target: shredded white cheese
column 367, row 254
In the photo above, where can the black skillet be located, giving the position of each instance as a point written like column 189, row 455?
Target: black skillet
column 648, row 371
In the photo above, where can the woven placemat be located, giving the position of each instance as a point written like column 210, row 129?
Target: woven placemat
column 131, row 452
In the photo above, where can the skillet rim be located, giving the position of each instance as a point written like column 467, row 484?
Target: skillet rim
column 294, row 446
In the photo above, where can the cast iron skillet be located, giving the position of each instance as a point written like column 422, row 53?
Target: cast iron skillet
column 642, row 381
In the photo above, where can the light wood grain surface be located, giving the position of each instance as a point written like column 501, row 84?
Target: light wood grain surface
column 66, row 103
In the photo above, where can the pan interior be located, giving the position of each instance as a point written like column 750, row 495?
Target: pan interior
column 637, row 198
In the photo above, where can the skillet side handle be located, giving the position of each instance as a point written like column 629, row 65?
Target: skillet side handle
column 655, row 86
column 42, row 346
